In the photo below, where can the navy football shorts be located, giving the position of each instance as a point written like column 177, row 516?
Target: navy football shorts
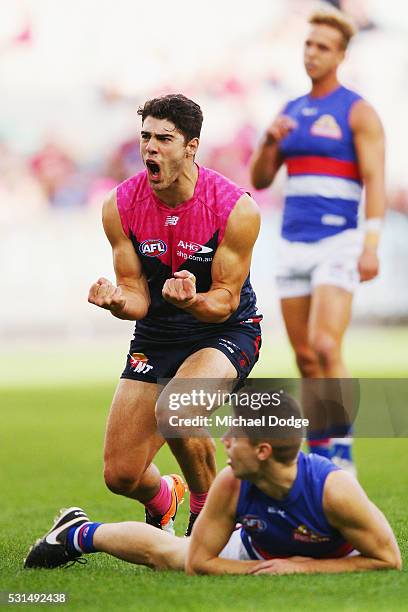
column 151, row 359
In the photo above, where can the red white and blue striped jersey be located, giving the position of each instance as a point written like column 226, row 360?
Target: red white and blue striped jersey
column 295, row 525
column 324, row 186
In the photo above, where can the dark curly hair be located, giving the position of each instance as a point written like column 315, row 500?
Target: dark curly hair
column 183, row 112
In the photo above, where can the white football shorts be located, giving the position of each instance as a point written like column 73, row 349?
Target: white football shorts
column 234, row 549
column 302, row 266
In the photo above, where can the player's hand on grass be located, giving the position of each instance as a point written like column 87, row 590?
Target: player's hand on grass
column 280, row 128
column 180, row 290
column 106, row 295
column 292, row 565
column 368, row 264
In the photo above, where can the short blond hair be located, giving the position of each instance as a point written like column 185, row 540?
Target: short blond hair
column 337, row 20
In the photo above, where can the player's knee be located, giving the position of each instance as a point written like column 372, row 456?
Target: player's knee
column 163, row 414
column 325, row 347
column 120, row 480
column 307, row 362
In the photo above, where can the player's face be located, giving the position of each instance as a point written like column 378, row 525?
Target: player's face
column 164, row 152
column 323, row 51
column 242, row 456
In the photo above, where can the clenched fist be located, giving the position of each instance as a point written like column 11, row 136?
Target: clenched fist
column 368, row 265
column 180, row 290
column 280, row 128
column 106, row 295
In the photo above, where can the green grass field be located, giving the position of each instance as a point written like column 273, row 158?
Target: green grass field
column 51, row 456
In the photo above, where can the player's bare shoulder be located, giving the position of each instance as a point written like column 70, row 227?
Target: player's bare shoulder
column 226, row 488
column 364, row 117
column 342, row 494
column 244, row 222
column 247, row 209
column 227, row 479
column 109, row 207
column 111, row 218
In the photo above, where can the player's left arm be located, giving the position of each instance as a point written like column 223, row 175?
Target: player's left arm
column 361, row 523
column 213, row 529
column 370, row 148
column 230, row 268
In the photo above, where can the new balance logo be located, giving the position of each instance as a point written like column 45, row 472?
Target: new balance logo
column 171, row 220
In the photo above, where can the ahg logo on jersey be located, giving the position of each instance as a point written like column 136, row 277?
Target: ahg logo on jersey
column 193, row 247
column 153, row 247
column 193, row 250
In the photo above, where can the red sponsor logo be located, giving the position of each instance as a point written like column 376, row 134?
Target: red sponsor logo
column 304, row 534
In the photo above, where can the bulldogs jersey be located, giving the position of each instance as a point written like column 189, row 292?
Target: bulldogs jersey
column 295, row 525
column 186, row 237
column 324, row 187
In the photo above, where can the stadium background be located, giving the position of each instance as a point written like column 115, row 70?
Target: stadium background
column 72, row 76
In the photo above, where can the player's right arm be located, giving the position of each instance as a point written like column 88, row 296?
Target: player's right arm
column 267, row 159
column 347, row 509
column 368, row 134
column 130, row 298
column 213, row 529
column 361, row 523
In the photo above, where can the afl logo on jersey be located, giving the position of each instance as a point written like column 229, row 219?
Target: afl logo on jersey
column 153, row 247
column 252, row 523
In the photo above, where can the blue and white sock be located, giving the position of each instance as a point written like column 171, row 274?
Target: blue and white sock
column 342, row 448
column 80, row 539
column 321, row 446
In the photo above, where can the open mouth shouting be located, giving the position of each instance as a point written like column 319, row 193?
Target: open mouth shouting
column 153, row 170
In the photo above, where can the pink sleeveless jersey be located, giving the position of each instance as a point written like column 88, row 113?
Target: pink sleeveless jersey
column 186, row 237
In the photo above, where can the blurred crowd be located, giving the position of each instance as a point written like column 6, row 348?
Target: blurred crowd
column 239, row 93
column 69, row 136
column 53, row 177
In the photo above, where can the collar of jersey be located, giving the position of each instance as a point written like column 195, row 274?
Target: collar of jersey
column 312, row 99
column 295, row 489
column 183, row 205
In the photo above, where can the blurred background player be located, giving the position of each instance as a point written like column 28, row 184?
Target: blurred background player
column 182, row 239
column 296, row 513
column 332, row 143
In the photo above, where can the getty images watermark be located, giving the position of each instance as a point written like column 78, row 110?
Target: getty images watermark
column 209, row 401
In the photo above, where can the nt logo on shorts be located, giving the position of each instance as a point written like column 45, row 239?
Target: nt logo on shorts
column 153, row 247
column 138, row 363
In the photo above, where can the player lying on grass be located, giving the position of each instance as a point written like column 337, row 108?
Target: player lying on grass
column 296, row 514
